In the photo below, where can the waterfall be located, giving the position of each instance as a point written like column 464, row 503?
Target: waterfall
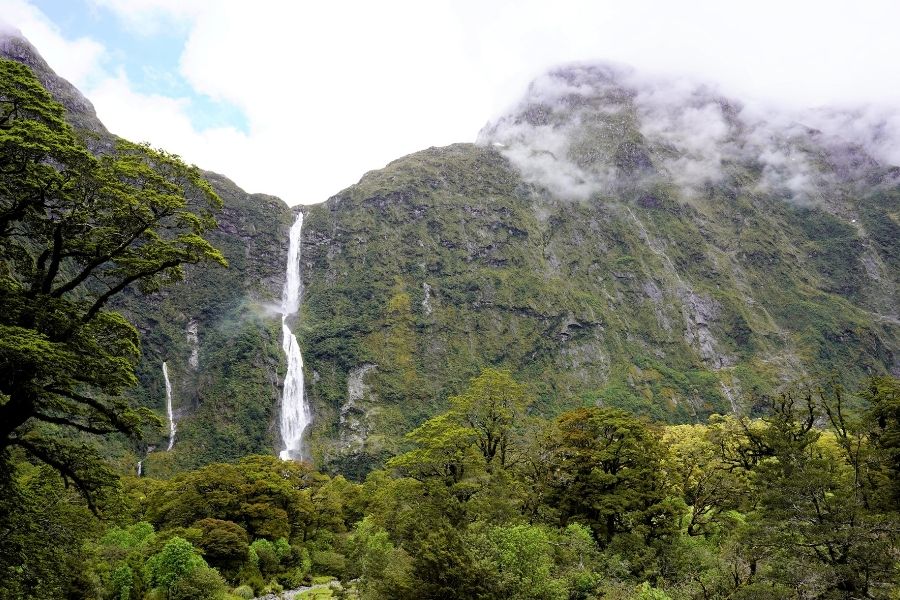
column 295, row 416
column 169, row 413
column 140, row 465
column 169, row 406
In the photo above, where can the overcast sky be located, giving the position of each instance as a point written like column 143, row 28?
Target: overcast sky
column 299, row 99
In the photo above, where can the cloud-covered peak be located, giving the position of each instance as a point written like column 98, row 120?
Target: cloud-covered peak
column 591, row 129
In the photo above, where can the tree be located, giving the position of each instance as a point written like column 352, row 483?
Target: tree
column 883, row 416
column 76, row 230
column 267, row 556
column 121, row 581
column 383, row 570
column 814, row 511
column 695, row 471
column 42, row 532
column 493, row 407
column 175, row 561
column 519, row 560
column 200, row 583
column 604, row 470
column 117, row 558
column 443, row 449
column 481, row 426
column 265, row 496
column 224, row 544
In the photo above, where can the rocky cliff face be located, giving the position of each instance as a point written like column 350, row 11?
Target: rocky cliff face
column 220, row 333
column 612, row 241
column 81, row 113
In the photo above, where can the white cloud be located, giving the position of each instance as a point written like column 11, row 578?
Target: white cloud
column 331, row 90
column 77, row 60
column 147, row 17
column 669, row 113
column 566, row 133
column 132, row 115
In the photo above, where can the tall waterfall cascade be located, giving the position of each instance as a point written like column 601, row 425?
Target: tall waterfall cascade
column 169, row 406
column 295, row 415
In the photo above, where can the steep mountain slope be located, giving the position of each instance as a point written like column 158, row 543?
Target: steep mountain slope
column 216, row 330
column 221, row 337
column 609, row 242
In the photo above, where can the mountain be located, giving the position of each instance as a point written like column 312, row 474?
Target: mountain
column 611, row 240
column 80, row 111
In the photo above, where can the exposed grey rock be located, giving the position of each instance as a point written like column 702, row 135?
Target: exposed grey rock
column 426, row 301
column 193, row 340
column 354, row 426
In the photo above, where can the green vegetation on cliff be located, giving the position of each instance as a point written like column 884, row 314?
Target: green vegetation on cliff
column 658, row 303
column 220, row 335
column 605, row 278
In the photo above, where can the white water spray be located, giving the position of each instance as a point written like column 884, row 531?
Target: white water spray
column 295, row 416
column 169, row 406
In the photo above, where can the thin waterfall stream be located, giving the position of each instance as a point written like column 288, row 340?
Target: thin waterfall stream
column 140, row 465
column 295, row 415
column 171, row 416
column 169, row 407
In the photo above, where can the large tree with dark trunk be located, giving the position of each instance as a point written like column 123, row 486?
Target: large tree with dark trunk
column 76, row 230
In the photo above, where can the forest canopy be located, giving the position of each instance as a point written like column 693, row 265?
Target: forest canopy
column 596, row 503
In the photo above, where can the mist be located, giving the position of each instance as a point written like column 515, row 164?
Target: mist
column 583, row 129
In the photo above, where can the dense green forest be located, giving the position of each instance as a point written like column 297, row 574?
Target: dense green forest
column 797, row 499
column 489, row 503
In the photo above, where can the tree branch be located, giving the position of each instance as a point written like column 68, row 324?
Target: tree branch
column 74, row 424
column 99, row 261
column 106, row 411
column 102, row 300
column 64, row 468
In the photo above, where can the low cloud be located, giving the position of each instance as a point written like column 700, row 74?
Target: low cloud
column 692, row 132
column 540, row 136
column 332, row 90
